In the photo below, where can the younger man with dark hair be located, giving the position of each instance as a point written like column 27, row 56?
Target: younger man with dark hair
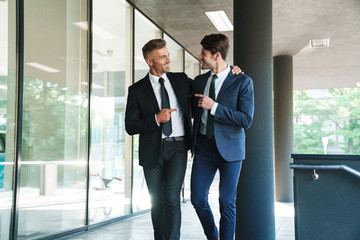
column 223, row 109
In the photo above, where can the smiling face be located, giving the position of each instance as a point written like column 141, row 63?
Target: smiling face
column 159, row 61
column 207, row 59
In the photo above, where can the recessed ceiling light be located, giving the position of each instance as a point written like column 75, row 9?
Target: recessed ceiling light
column 43, row 67
column 97, row 86
column 358, row 84
column 94, row 85
column 220, row 21
column 319, row 43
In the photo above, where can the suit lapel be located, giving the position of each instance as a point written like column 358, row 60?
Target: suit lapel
column 181, row 98
column 203, row 82
column 227, row 82
column 200, row 89
column 174, row 85
column 150, row 92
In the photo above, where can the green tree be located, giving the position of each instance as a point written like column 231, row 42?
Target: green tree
column 309, row 114
column 347, row 118
column 54, row 128
column 315, row 118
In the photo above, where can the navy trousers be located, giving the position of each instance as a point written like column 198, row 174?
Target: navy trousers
column 206, row 162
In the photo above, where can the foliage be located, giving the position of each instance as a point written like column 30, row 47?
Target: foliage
column 334, row 115
column 54, row 127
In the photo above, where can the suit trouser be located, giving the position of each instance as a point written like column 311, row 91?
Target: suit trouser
column 164, row 183
column 206, row 162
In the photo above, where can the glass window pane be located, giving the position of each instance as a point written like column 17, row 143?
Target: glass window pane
column 110, row 169
column 192, row 69
column 192, row 65
column 7, row 112
column 176, row 55
column 326, row 121
column 55, row 118
column 144, row 32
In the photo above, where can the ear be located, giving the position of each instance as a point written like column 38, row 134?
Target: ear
column 217, row 55
column 148, row 61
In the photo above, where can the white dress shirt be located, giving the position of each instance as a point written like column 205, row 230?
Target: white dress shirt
column 177, row 119
column 218, row 84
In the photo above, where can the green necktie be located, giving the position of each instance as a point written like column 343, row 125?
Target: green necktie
column 210, row 118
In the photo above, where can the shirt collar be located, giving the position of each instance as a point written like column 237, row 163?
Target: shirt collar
column 222, row 74
column 155, row 79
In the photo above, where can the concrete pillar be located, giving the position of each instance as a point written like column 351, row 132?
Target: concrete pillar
column 253, row 53
column 283, row 127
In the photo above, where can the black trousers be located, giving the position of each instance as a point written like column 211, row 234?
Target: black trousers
column 164, row 183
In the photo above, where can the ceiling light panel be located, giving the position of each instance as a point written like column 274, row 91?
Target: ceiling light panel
column 319, row 43
column 220, row 21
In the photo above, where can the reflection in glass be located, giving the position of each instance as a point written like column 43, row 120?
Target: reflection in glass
column 7, row 112
column 192, row 69
column 55, row 118
column 192, row 66
column 144, row 31
column 176, row 54
column 110, row 170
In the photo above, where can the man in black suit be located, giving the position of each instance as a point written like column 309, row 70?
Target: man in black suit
column 158, row 108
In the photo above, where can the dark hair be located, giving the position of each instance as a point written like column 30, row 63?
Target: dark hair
column 152, row 45
column 216, row 43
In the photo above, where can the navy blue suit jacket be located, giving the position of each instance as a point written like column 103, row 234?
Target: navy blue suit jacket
column 233, row 115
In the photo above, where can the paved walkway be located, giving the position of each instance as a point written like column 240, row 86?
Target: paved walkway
column 140, row 228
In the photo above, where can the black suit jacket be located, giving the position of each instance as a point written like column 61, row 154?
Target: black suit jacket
column 141, row 108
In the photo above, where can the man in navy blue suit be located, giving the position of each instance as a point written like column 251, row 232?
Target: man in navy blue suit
column 223, row 108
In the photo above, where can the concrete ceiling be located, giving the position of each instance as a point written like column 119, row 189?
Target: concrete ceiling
column 295, row 22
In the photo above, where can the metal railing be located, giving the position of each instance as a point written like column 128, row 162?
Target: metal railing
column 315, row 176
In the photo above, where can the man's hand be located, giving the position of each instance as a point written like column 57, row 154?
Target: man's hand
column 164, row 115
column 205, row 101
column 236, row 70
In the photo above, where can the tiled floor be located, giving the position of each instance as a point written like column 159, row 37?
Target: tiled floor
column 140, row 228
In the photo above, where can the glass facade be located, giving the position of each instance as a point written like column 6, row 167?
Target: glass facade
column 144, row 31
column 110, row 166
column 73, row 151
column 55, row 118
column 191, row 66
column 8, row 86
column 176, row 54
